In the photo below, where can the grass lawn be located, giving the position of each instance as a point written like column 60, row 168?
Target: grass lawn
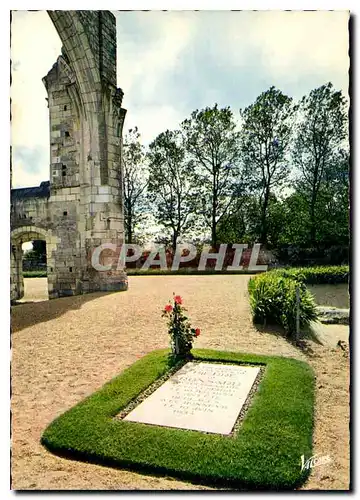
column 35, row 274
column 264, row 454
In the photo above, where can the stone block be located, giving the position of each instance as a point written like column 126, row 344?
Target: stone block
column 104, row 190
column 202, row 396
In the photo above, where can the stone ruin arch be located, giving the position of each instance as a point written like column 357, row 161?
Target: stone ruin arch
column 22, row 234
column 81, row 206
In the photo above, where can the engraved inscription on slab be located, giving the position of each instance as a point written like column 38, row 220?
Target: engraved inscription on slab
column 200, row 396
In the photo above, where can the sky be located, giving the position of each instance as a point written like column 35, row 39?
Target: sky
column 170, row 63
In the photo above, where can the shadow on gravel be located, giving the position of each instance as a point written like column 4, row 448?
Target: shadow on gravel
column 303, row 343
column 26, row 314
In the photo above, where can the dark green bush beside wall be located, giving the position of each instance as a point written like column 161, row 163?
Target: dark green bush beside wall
column 318, row 275
column 273, row 300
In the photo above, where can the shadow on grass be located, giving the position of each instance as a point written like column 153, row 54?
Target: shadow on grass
column 303, row 343
column 25, row 314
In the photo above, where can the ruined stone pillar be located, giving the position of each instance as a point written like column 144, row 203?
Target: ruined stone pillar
column 16, row 276
column 86, row 123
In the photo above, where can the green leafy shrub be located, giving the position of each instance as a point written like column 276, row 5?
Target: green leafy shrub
column 273, row 300
column 318, row 275
column 34, row 274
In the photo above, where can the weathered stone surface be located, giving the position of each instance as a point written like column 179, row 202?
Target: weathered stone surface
column 86, row 122
column 200, row 396
column 333, row 315
column 329, row 334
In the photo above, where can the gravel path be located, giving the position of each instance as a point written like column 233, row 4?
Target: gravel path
column 65, row 349
column 35, row 290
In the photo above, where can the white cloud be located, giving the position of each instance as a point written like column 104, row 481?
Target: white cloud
column 35, row 47
column 174, row 32
column 21, row 177
column 153, row 120
column 295, row 51
column 297, row 44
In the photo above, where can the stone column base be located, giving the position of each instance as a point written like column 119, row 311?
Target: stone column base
column 107, row 281
column 99, row 283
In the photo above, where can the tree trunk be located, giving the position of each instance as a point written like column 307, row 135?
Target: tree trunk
column 264, row 229
column 314, row 192
column 312, row 219
column 213, row 216
column 174, row 241
column 129, row 229
column 213, row 233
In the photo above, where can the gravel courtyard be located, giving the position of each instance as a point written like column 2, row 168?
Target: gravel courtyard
column 65, row 349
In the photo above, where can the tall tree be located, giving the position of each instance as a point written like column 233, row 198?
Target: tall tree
column 265, row 141
column 240, row 224
column 171, row 188
column 37, row 254
column 287, row 220
column 135, row 183
column 39, row 249
column 320, row 134
column 212, row 141
column 332, row 206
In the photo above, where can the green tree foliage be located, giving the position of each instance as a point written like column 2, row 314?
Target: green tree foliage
column 319, row 155
column 39, row 249
column 171, row 186
column 280, row 176
column 265, row 141
column 294, row 220
column 37, row 253
column 242, row 223
column 36, row 257
column 212, row 141
column 135, row 182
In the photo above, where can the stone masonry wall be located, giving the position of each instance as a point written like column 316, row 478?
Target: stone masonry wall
column 100, row 28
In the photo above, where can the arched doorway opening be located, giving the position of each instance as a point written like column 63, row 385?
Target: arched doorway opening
column 34, row 271
column 18, row 238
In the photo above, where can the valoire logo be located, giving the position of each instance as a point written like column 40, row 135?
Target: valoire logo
column 314, row 461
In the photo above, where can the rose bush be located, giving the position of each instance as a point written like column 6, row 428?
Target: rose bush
column 180, row 330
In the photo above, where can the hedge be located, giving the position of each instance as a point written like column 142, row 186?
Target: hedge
column 34, row 274
column 318, row 275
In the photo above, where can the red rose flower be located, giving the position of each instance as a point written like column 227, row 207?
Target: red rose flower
column 197, row 332
column 178, row 299
column 168, row 308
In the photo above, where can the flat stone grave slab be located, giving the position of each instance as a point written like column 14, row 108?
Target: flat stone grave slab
column 204, row 397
